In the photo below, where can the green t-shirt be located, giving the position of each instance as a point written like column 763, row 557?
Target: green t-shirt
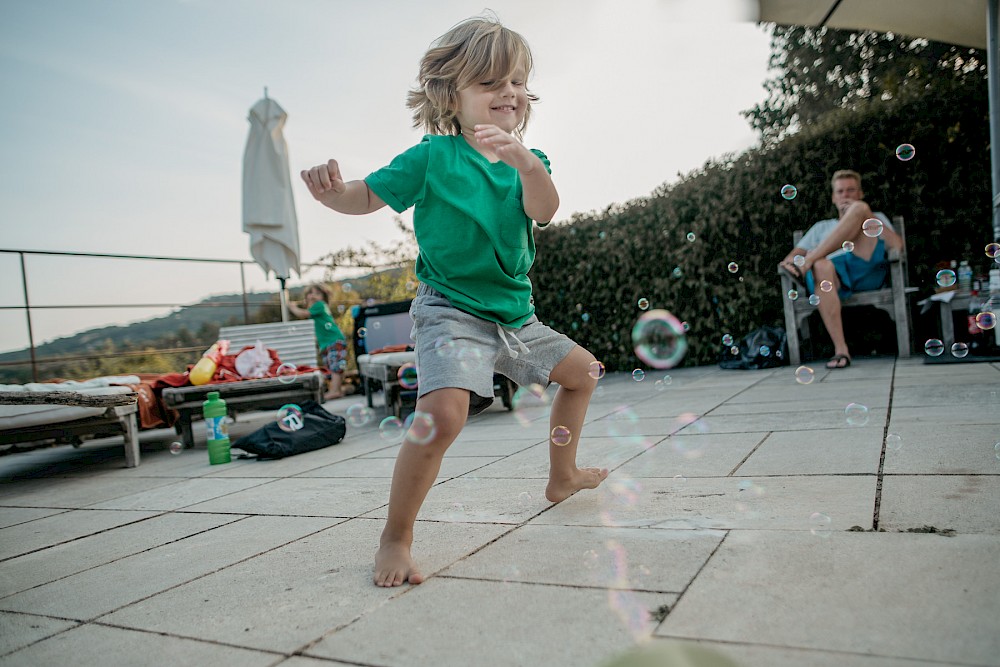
column 327, row 331
column 476, row 243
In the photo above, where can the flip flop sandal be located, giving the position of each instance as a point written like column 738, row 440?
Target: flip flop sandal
column 796, row 273
column 836, row 359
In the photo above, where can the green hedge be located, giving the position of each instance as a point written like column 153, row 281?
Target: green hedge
column 591, row 271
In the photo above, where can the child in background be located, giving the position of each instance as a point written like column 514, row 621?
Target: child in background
column 476, row 190
column 332, row 344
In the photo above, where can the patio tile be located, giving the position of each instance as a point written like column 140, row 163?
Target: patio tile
column 925, row 448
column 533, row 463
column 108, row 587
column 303, row 496
column 780, row 503
column 964, row 414
column 877, row 593
column 300, row 463
column 451, row 466
column 779, row 421
column 480, row 500
column 178, row 494
column 73, row 492
column 494, row 446
column 964, row 503
column 63, row 527
column 511, row 623
column 620, row 558
column 98, row 646
column 312, row 586
column 56, row 562
column 12, row 516
column 819, row 452
column 934, row 395
column 20, row 630
column 751, row 655
column 703, row 455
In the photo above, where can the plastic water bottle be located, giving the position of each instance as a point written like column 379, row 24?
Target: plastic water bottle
column 964, row 277
column 214, row 410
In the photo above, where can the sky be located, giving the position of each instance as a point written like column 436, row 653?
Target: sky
column 124, row 123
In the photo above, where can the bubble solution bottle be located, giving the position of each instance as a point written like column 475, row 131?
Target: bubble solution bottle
column 214, row 411
column 964, row 277
column 204, row 370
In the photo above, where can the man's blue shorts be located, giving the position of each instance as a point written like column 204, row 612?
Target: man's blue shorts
column 856, row 274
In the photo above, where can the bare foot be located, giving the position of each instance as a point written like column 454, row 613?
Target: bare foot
column 584, row 478
column 393, row 565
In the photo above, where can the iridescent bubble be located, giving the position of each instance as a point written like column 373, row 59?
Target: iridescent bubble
column 341, row 308
column 934, row 347
column 893, row 442
column 959, row 350
column 677, row 272
column 945, row 278
column 986, row 320
column 992, row 250
column 685, row 326
column 643, row 303
column 857, row 414
column 848, row 246
column 814, row 299
column 524, row 497
column 638, row 375
column 376, row 325
column 596, row 370
column 420, row 428
column 602, row 235
column 658, row 339
column 793, row 295
column 804, row 375
column 733, row 267
column 410, row 286
column 407, row 376
column 765, row 351
column 690, row 237
column 176, row 448
column 359, row 415
column 905, row 152
column 680, row 479
column 727, row 339
column 347, row 287
column 445, row 347
column 391, row 429
column 996, row 448
column 585, row 317
column 362, row 332
column 819, row 524
column 788, row 192
column 799, row 260
column 471, row 359
column 286, row 373
column 667, row 380
column 826, row 286
column 622, row 423
column 872, row 227
column 529, row 403
column 735, row 351
column 289, row 418
column 328, row 326
column 561, row 436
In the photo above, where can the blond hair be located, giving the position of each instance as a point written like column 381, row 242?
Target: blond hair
column 474, row 51
column 846, row 173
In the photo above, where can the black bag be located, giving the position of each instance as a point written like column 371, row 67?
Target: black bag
column 766, row 347
column 319, row 429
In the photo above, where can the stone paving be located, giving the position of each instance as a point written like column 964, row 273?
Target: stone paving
column 745, row 513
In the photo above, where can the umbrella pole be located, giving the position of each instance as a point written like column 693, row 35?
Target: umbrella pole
column 993, row 90
column 283, row 297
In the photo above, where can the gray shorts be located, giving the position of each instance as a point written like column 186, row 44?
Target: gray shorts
column 459, row 350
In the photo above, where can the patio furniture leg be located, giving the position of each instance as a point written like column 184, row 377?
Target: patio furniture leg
column 131, row 440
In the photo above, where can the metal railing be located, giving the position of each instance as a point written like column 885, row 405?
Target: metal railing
column 27, row 306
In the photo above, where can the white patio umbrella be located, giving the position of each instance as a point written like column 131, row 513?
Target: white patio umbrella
column 268, row 207
column 974, row 23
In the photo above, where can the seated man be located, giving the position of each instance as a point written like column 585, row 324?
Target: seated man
column 839, row 251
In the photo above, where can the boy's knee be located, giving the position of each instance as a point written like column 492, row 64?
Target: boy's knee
column 578, row 372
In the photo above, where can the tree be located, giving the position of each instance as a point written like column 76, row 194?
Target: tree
column 819, row 70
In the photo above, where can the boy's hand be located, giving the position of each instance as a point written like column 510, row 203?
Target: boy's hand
column 324, row 182
column 506, row 147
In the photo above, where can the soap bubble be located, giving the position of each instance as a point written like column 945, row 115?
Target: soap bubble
column 735, row 351
column 328, row 326
column 819, row 524
column 286, row 373
column 765, row 351
column 529, row 403
column 643, row 304
column 814, row 299
column 893, row 441
column 799, row 260
column 959, row 350
column 362, row 332
column 658, row 339
column 996, row 448
column 945, row 278
column 585, row 317
column 407, row 375
column 680, row 479
column 391, row 429
column 793, row 295
column 347, row 287
column 992, row 250
column 359, row 415
column 788, row 192
column 677, row 272
column 289, row 418
column 561, row 436
column 420, row 428
column 848, row 246
column 826, row 286
column 376, row 325
column 804, row 375
column 905, row 152
column 872, row 227
column 596, row 370
column 986, row 320
column 685, row 326
column 341, row 308
column 410, row 286
column 638, row 375
column 690, row 237
column 857, row 414
column 733, row 267
column 934, row 347
column 727, row 339
column 176, row 448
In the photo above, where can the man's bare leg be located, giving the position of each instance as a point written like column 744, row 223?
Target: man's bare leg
column 829, row 305
column 417, row 467
column 569, row 409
